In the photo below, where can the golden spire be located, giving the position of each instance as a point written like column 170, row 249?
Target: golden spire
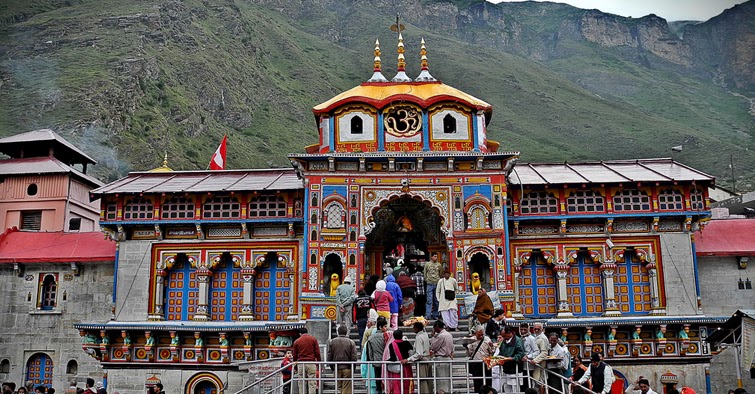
column 424, row 75
column 377, row 56
column 401, row 60
column 377, row 76
column 164, row 167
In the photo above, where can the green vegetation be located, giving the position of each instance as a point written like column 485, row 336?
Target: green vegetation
column 130, row 80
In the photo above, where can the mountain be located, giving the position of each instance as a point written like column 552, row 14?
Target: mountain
column 130, row 80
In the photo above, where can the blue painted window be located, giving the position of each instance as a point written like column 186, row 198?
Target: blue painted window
column 226, row 292
column 633, row 287
column 181, row 291
column 585, row 288
column 537, row 289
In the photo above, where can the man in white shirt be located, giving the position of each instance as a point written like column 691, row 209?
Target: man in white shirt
column 557, row 363
column 543, row 346
column 601, row 373
column 531, row 352
column 422, row 353
column 641, row 386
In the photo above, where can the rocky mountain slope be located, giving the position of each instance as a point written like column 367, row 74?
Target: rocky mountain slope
column 131, row 79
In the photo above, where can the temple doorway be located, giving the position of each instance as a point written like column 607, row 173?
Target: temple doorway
column 331, row 265
column 479, row 264
column 407, row 231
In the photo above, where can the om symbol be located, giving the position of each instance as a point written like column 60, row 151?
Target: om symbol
column 403, row 122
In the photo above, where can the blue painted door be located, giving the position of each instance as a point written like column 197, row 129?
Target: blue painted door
column 39, row 370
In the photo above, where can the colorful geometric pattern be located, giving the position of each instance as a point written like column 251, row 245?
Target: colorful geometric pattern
column 537, row 289
column 181, row 292
column 226, row 293
column 633, row 287
column 584, row 289
column 39, row 370
column 272, row 291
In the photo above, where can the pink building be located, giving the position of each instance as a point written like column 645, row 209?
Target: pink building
column 44, row 185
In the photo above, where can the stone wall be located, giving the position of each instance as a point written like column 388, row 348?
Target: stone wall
column 132, row 381
column 133, row 280
column 719, row 277
column 723, row 373
column 27, row 330
column 690, row 375
column 678, row 274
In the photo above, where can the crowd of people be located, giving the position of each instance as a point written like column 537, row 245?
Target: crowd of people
column 90, row 387
column 500, row 357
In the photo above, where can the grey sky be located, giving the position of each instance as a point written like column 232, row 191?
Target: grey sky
column 672, row 10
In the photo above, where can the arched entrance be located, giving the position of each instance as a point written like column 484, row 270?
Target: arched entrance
column 331, row 265
column 39, row 370
column 480, row 263
column 204, row 383
column 405, row 228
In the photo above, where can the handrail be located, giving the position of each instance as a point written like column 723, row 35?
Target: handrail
column 269, row 375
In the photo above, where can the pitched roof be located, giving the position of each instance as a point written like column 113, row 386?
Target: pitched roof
column 204, row 181
column 19, row 141
column 732, row 237
column 615, row 171
column 54, row 247
column 43, row 165
column 382, row 94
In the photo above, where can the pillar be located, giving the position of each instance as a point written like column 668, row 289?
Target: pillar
column 607, row 270
column 564, row 309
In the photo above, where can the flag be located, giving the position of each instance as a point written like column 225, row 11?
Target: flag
column 217, row 162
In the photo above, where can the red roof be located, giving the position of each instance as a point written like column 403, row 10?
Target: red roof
column 54, row 247
column 733, row 237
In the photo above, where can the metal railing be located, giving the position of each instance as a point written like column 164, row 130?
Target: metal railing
column 436, row 376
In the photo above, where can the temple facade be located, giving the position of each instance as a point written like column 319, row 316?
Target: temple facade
column 216, row 268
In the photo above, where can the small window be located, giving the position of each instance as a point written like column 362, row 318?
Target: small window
column 353, row 236
column 334, row 216
column 356, row 125
column 32, row 189
column 449, row 124
column 267, row 206
column 74, row 224
column 111, row 212
column 539, row 202
column 178, row 207
column 48, row 292
column 670, row 200
column 313, row 259
column 5, row 366
column 31, row 220
column 138, row 208
column 631, row 200
column 222, row 207
column 313, row 236
column 72, row 368
column 352, row 259
column 585, row 201
column 697, row 202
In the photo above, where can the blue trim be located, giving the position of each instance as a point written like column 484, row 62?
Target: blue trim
column 381, row 133
column 475, row 140
column 332, row 133
column 485, row 190
column 425, row 132
column 305, row 238
column 506, row 239
column 611, row 215
column 115, row 275
column 205, row 221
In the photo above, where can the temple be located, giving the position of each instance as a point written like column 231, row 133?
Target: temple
column 215, row 268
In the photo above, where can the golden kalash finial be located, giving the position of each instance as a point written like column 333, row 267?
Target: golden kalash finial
column 424, row 75
column 164, row 167
column 401, row 74
column 377, row 76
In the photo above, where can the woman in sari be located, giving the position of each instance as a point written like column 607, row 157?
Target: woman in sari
column 398, row 369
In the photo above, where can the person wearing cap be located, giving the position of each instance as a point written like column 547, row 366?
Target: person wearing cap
column 601, row 374
column 446, row 293
column 345, row 297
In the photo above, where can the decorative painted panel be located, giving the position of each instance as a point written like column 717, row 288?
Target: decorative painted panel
column 584, row 288
column 226, row 294
column 272, row 291
column 537, row 289
column 633, row 287
column 181, row 292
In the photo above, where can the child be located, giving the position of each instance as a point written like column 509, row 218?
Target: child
column 288, row 359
